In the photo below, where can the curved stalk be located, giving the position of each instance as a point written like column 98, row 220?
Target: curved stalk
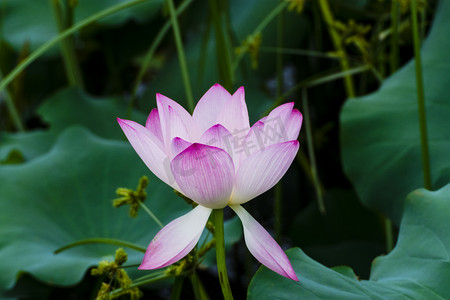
column 101, row 241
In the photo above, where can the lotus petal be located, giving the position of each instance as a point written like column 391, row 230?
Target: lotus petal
column 205, row 174
column 176, row 239
column 262, row 246
column 262, row 170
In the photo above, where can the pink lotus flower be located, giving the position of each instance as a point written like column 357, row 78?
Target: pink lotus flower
column 216, row 159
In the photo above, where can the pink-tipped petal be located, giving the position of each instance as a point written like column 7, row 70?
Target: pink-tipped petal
column 293, row 125
column 168, row 110
column 207, row 111
column 154, row 124
column 218, row 136
column 262, row 246
column 147, row 147
column 205, row 174
column 275, row 125
column 176, row 239
column 262, row 170
column 234, row 115
column 178, row 145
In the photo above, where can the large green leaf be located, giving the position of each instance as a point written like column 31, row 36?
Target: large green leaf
column 68, row 107
column 66, row 195
column 417, row 268
column 33, row 21
column 380, row 132
column 348, row 234
column 72, row 106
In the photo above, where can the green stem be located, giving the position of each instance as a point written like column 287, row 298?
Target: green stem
column 421, row 100
column 278, row 211
column 12, row 109
column 303, row 52
column 140, row 283
column 153, row 274
column 220, row 254
column 151, row 51
column 73, row 72
column 223, row 50
column 314, row 81
column 336, row 39
column 176, row 288
column 280, row 88
column 394, row 55
column 197, row 286
column 259, row 29
column 388, row 229
column 312, row 157
column 181, row 55
column 151, row 214
column 61, row 36
column 101, row 241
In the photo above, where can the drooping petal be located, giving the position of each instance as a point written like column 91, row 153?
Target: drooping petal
column 176, row 239
column 218, row 136
column 262, row 170
column 154, row 124
column 205, row 174
column 262, row 246
column 147, row 146
column 234, row 115
column 207, row 111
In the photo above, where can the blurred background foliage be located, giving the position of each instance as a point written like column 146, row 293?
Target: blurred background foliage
column 69, row 68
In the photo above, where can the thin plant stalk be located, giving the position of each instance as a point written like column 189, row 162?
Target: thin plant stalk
column 220, row 254
column 176, row 288
column 17, row 121
column 101, row 241
column 197, row 286
column 303, row 52
column 140, row 283
column 278, row 211
column 203, row 53
column 181, row 55
column 312, row 157
column 223, row 49
column 259, row 29
column 280, row 87
column 389, row 234
column 314, row 81
column 151, row 214
column 151, row 51
column 337, row 42
column 394, row 50
column 63, row 21
column 61, row 36
column 421, row 100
